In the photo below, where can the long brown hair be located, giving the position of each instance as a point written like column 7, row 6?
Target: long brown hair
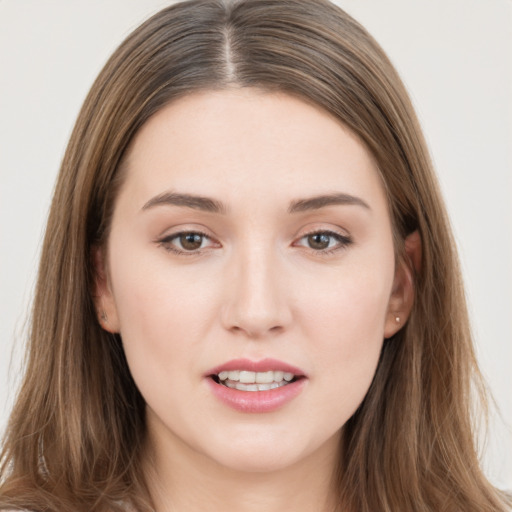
column 74, row 438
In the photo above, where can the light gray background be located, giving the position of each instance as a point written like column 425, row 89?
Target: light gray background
column 455, row 56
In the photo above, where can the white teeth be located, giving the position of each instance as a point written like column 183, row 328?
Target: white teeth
column 262, row 379
column 278, row 376
column 247, row 377
column 246, row 387
column 254, row 387
column 235, row 375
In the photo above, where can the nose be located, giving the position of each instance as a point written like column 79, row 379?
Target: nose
column 256, row 296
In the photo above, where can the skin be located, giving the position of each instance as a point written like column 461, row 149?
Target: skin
column 257, row 287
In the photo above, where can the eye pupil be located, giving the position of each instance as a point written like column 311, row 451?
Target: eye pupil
column 319, row 241
column 191, row 241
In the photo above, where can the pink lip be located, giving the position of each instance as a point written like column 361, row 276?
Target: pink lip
column 256, row 401
column 264, row 365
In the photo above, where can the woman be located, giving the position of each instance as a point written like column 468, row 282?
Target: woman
column 248, row 295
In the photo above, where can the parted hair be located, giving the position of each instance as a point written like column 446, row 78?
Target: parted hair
column 76, row 434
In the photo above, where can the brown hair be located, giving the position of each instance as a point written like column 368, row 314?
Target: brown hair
column 75, row 434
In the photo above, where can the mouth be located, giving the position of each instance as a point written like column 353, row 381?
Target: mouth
column 256, row 386
column 245, row 380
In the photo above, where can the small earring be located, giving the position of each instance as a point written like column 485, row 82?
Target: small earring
column 104, row 317
column 397, row 319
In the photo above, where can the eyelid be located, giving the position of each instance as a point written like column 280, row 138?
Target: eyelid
column 166, row 240
column 343, row 239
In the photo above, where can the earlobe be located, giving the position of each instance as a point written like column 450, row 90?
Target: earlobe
column 402, row 295
column 103, row 297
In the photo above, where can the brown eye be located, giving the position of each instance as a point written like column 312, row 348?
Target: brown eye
column 319, row 241
column 191, row 241
column 187, row 243
column 324, row 241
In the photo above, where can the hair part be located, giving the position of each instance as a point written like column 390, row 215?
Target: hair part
column 76, row 434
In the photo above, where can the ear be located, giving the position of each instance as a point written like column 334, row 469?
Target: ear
column 402, row 295
column 103, row 297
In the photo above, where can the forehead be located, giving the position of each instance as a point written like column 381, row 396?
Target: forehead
column 247, row 144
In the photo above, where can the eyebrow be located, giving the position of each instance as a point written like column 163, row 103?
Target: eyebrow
column 208, row 204
column 188, row 201
column 317, row 202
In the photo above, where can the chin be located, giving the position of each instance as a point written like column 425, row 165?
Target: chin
column 266, row 451
column 266, row 460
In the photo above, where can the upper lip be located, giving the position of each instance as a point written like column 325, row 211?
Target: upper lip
column 263, row 365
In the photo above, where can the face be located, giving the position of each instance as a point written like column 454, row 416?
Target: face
column 250, row 272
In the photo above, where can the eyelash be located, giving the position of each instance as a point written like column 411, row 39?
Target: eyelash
column 343, row 242
column 167, row 243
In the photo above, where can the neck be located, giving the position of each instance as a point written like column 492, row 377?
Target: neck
column 179, row 478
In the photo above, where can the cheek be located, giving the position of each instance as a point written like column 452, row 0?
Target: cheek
column 349, row 304
column 163, row 316
column 345, row 320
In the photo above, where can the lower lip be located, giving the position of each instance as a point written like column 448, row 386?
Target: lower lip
column 257, row 401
